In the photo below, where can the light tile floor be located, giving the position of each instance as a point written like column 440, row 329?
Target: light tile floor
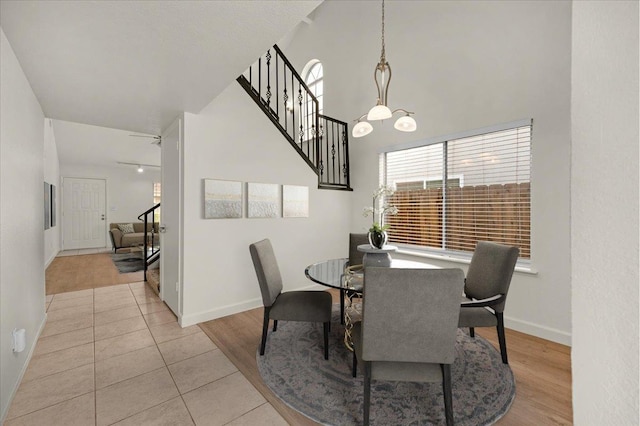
column 117, row 356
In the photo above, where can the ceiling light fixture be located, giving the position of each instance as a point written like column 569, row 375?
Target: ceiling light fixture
column 381, row 111
column 139, row 166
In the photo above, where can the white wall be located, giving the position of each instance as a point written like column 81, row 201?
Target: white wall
column 21, row 220
column 129, row 193
column 52, row 236
column 604, row 212
column 232, row 139
column 462, row 66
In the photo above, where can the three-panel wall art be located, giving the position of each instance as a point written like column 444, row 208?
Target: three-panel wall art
column 225, row 199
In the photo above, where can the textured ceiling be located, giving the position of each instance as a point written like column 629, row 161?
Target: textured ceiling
column 135, row 65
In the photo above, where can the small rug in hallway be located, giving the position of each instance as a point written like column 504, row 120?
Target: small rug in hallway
column 294, row 369
column 127, row 262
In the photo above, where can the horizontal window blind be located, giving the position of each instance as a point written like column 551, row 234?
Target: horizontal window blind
column 452, row 194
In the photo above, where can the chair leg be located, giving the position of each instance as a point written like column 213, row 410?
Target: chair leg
column 265, row 328
column 501, row 339
column 367, row 392
column 472, row 332
column 325, row 327
column 342, row 295
column 354, row 369
column 446, row 390
column 275, row 325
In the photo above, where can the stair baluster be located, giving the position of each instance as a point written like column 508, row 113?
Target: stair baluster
column 320, row 140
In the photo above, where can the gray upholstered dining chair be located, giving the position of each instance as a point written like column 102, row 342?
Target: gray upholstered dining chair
column 355, row 259
column 309, row 306
column 486, row 286
column 408, row 328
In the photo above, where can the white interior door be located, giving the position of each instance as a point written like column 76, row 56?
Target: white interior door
column 171, row 221
column 83, row 212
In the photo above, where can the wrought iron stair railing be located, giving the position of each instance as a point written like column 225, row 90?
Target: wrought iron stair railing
column 322, row 141
column 151, row 248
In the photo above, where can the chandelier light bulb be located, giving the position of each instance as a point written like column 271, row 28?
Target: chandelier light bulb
column 406, row 123
column 361, row 129
column 379, row 112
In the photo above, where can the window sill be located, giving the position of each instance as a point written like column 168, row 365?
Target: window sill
column 521, row 267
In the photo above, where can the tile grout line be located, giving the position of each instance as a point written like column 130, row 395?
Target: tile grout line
column 171, row 374
column 93, row 342
column 49, row 375
column 250, row 411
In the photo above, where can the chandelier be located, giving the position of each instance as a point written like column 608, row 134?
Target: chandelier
column 382, row 77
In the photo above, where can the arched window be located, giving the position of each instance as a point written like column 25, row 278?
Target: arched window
column 312, row 74
column 313, row 80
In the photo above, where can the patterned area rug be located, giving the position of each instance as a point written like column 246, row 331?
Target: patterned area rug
column 127, row 262
column 294, row 369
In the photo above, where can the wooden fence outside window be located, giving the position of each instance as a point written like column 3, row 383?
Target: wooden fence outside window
column 498, row 213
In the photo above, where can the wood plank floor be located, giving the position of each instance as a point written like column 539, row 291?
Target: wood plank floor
column 72, row 273
column 542, row 370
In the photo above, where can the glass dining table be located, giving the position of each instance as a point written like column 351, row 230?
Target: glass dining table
column 338, row 274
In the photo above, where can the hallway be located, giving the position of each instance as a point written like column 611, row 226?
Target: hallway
column 117, row 355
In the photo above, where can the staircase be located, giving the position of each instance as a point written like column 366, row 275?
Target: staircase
column 280, row 92
column 151, row 250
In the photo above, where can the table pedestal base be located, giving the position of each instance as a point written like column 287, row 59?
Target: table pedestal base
column 377, row 259
column 352, row 313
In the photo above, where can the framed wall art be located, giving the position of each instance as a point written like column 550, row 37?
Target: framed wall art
column 47, row 205
column 263, row 200
column 222, row 199
column 53, row 205
column 295, row 201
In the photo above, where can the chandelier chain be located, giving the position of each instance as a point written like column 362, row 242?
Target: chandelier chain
column 382, row 54
column 381, row 111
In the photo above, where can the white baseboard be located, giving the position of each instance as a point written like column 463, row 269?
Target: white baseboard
column 219, row 312
column 223, row 311
column 538, row 330
column 526, row 327
column 24, row 369
column 48, row 262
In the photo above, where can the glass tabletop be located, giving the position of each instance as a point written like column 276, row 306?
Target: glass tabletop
column 329, row 272
column 334, row 273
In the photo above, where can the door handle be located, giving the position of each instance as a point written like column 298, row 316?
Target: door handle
column 162, row 229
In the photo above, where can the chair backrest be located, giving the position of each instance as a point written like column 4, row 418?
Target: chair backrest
column 355, row 256
column 411, row 315
column 490, row 271
column 266, row 266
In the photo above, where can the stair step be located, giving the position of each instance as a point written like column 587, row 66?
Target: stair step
column 153, row 280
column 334, row 187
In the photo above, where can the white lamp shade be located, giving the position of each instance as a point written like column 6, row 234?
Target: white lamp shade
column 379, row 112
column 362, row 128
column 406, row 124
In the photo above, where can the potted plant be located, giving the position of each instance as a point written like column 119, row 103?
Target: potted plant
column 380, row 207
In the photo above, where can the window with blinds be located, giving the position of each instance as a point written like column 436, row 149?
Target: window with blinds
column 455, row 192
